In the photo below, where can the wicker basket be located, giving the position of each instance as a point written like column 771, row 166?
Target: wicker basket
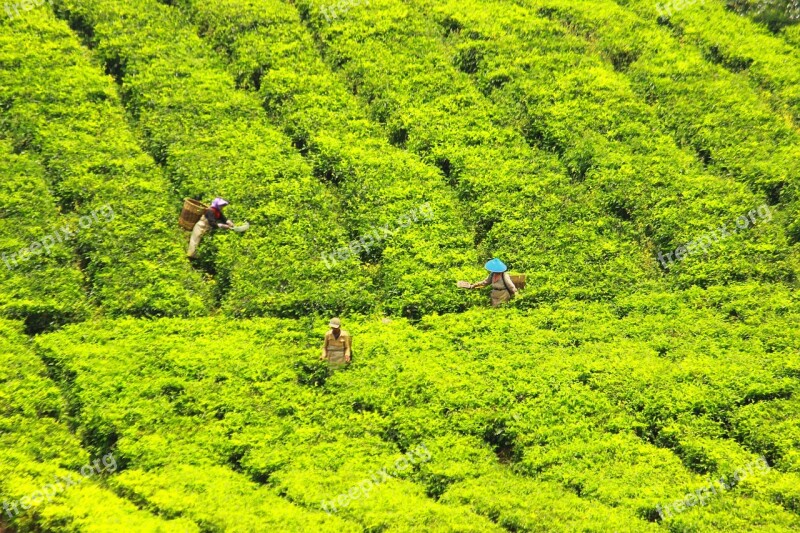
column 192, row 212
column 518, row 280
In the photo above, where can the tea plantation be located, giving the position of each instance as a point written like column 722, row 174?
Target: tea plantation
column 638, row 161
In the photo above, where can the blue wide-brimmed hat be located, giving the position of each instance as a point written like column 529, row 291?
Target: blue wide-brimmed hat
column 496, row 266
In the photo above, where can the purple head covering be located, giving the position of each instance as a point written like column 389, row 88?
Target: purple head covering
column 219, row 203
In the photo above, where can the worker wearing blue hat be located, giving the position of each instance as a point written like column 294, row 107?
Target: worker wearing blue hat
column 503, row 288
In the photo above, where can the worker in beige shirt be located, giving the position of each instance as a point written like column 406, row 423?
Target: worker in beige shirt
column 503, row 288
column 337, row 345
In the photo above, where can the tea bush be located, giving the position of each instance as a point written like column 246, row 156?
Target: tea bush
column 45, row 289
column 379, row 184
column 61, row 108
column 575, row 140
column 568, row 396
column 214, row 141
column 37, row 451
column 740, row 46
column 587, row 104
column 528, row 208
column 775, row 14
column 707, row 108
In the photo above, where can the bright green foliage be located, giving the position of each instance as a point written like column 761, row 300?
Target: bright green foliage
column 627, row 413
column 378, row 184
column 738, row 45
column 44, row 289
column 36, row 447
column 528, row 209
column 58, row 105
column 774, row 427
column 792, row 36
column 708, row 109
column 567, row 99
column 221, row 500
column 202, row 407
column 574, row 140
column 214, row 140
column 518, row 503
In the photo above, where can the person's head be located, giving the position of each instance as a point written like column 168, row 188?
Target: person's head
column 219, row 203
column 335, row 324
column 495, row 266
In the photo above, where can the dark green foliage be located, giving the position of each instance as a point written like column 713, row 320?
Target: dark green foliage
column 775, row 14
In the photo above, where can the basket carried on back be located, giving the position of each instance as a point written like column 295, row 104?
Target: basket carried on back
column 518, row 280
column 192, row 212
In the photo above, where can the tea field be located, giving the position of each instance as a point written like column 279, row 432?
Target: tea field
column 638, row 161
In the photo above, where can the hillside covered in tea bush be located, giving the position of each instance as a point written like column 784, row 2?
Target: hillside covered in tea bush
column 639, row 162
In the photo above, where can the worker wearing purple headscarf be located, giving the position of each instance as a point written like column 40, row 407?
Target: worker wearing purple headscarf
column 211, row 220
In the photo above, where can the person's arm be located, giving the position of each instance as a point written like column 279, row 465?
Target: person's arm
column 224, row 222
column 324, row 348
column 221, row 223
column 348, row 342
column 510, row 284
column 483, row 283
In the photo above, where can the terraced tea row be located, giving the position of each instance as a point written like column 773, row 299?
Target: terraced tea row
column 564, row 96
column 379, row 185
column 239, row 407
column 61, row 110
column 44, row 287
column 579, row 401
column 738, row 45
column 710, row 110
column 244, row 417
column 45, row 479
column 214, row 140
column 406, row 274
column 526, row 206
column 776, row 15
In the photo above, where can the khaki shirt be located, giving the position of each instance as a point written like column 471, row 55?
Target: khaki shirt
column 502, row 289
column 503, row 283
column 335, row 348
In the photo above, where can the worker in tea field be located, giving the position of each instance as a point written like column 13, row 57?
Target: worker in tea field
column 503, row 288
column 337, row 345
column 212, row 219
